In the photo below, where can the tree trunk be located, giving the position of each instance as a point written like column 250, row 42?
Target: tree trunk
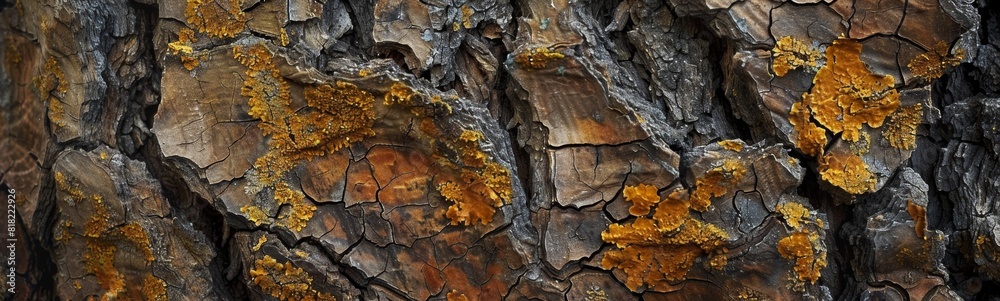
column 497, row 149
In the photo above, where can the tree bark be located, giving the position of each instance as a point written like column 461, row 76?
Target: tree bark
column 501, row 149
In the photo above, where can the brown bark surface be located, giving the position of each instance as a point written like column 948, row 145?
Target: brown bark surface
column 502, row 149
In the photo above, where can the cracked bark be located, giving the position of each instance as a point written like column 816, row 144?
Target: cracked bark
column 134, row 150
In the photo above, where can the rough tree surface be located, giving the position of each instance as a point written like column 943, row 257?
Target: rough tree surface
column 502, row 149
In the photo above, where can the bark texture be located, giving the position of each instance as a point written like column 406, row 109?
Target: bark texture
column 503, row 149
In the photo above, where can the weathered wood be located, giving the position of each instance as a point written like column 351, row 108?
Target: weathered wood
column 493, row 150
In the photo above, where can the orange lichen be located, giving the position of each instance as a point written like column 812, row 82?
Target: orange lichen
column 183, row 47
column 732, row 145
column 802, row 246
column 335, row 116
column 301, row 209
column 454, row 295
column 848, row 172
column 643, row 197
column 98, row 222
column 919, row 215
column 846, row 95
column 662, row 248
column 99, row 259
column 135, row 234
column 537, row 58
column 216, row 18
column 810, row 138
column 399, row 93
column 475, row 194
column 284, row 281
column 713, row 183
column 790, row 53
column 474, row 183
column 403, row 95
column 795, row 214
column 154, row 288
column 52, row 87
column 931, row 65
column 901, row 131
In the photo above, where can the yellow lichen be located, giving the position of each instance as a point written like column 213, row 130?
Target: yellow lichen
column 596, row 294
column 919, row 215
column 183, row 48
column 846, row 95
column 931, row 65
column 467, row 12
column 64, row 231
column 284, row 37
column 732, row 145
column 260, row 242
column 848, row 172
column 438, row 102
column 52, row 87
column 901, row 131
column 335, row 116
column 662, row 248
column 74, row 192
column 802, row 246
column 537, row 58
column 284, row 281
column 256, row 215
column 154, row 288
column 454, row 295
column 794, row 213
column 790, row 53
column 216, row 18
